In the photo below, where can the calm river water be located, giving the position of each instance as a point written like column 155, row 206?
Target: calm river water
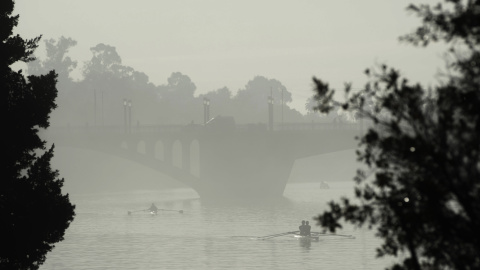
column 207, row 235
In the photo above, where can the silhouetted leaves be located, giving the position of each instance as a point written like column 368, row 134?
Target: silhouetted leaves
column 422, row 149
column 34, row 213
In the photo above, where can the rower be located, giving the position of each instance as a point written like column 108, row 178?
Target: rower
column 301, row 228
column 153, row 208
column 307, row 228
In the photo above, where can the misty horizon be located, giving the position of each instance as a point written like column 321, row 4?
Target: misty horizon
column 240, row 134
column 213, row 44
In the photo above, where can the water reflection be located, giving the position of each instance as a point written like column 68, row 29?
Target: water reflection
column 305, row 243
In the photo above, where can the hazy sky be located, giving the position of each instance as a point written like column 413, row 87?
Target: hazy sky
column 226, row 43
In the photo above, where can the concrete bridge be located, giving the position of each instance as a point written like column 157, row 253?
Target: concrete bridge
column 218, row 160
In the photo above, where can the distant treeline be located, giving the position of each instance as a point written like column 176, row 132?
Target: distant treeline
column 98, row 98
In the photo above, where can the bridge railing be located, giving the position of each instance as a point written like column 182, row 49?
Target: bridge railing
column 317, row 126
column 195, row 127
column 116, row 129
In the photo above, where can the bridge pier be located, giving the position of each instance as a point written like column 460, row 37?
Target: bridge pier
column 186, row 155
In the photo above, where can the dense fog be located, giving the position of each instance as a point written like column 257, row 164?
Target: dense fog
column 183, row 130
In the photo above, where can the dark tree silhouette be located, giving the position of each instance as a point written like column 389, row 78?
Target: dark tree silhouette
column 57, row 59
column 34, row 213
column 423, row 151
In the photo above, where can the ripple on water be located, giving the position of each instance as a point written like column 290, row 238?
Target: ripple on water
column 216, row 236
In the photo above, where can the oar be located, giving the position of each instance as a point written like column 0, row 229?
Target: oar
column 275, row 235
column 130, row 212
column 334, row 234
column 180, row 211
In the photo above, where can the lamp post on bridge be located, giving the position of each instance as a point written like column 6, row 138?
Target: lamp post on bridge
column 206, row 110
column 270, row 112
column 130, row 116
column 125, row 114
column 127, row 104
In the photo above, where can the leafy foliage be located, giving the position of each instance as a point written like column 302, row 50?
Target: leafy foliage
column 423, row 151
column 57, row 59
column 34, row 213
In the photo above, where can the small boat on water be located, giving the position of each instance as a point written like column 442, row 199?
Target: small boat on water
column 312, row 237
column 153, row 210
column 324, row 185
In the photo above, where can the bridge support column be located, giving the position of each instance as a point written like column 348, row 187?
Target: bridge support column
column 186, row 156
column 244, row 166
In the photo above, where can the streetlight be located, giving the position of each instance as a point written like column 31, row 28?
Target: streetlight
column 94, row 107
column 130, row 116
column 125, row 114
column 206, row 110
column 270, row 112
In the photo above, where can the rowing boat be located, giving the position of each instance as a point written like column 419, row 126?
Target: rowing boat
column 306, row 237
